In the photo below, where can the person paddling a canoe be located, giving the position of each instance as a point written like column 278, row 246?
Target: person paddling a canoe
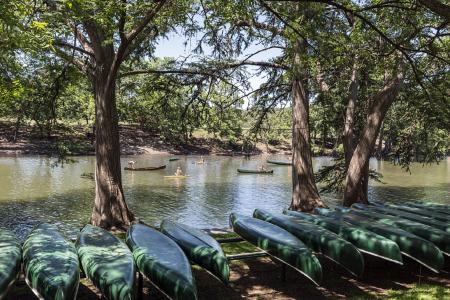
column 131, row 164
column 178, row 172
column 262, row 168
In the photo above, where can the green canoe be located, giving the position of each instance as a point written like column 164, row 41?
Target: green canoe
column 278, row 243
column 174, row 159
column 445, row 226
column 50, row 264
column 161, row 260
column 422, row 251
column 319, row 240
column 442, row 209
column 10, row 260
column 281, row 163
column 438, row 237
column 255, row 171
column 422, row 212
column 107, row 262
column 366, row 241
column 199, row 247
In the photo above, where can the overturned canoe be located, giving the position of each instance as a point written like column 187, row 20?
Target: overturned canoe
column 161, row 260
column 107, row 262
column 438, row 237
column 421, row 250
column 281, row 163
column 50, row 264
column 442, row 209
column 146, row 168
column 246, row 171
column 423, row 212
column 10, row 259
column 366, row 241
column 199, row 247
column 278, row 243
column 445, row 226
column 319, row 240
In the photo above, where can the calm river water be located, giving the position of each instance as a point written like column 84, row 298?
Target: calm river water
column 32, row 191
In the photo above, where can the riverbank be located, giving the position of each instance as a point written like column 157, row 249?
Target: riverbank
column 79, row 140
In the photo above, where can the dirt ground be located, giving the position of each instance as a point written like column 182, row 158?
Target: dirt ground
column 261, row 279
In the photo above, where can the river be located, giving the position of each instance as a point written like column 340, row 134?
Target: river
column 33, row 190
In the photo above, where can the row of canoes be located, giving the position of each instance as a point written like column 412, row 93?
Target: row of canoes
column 51, row 264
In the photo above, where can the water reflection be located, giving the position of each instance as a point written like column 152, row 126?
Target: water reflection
column 33, row 191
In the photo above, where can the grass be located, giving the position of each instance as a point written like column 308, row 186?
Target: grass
column 416, row 292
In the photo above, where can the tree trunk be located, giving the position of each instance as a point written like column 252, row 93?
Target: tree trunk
column 110, row 209
column 382, row 101
column 305, row 196
column 349, row 122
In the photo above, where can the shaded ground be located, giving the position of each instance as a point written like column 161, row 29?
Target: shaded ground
column 78, row 140
column 262, row 279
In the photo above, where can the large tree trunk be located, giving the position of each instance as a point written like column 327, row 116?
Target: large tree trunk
column 110, row 209
column 305, row 196
column 356, row 172
column 349, row 122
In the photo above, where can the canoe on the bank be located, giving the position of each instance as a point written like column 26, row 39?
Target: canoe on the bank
column 319, row 240
column 50, row 264
column 176, row 176
column 281, row 163
column 245, row 171
column 278, row 243
column 422, row 251
column 440, row 208
column 161, row 260
column 406, row 215
column 146, row 168
column 422, row 212
column 10, row 259
column 199, row 247
column 107, row 262
column 366, row 241
column 438, row 237
column 174, row 159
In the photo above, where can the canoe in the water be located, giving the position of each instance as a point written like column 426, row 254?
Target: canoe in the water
column 422, row 251
column 146, row 168
column 199, row 247
column 445, row 226
column 174, row 159
column 50, row 264
column 278, row 243
column 245, row 171
column 281, row 163
column 107, row 262
column 438, row 237
column 10, row 259
column 443, row 217
column 161, row 260
column 319, row 240
column 176, row 176
column 365, row 240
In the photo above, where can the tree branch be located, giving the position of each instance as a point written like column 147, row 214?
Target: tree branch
column 67, row 45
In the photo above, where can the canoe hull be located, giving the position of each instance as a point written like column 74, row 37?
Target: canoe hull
column 10, row 260
column 244, row 171
column 50, row 264
column 366, row 241
column 278, row 243
column 162, row 261
column 280, row 163
column 107, row 262
column 199, row 247
column 146, row 168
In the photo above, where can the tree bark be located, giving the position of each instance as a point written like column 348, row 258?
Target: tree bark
column 305, row 196
column 382, row 101
column 349, row 122
column 110, row 209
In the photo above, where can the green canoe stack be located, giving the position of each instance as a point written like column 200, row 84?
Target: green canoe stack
column 10, row 260
column 50, row 264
